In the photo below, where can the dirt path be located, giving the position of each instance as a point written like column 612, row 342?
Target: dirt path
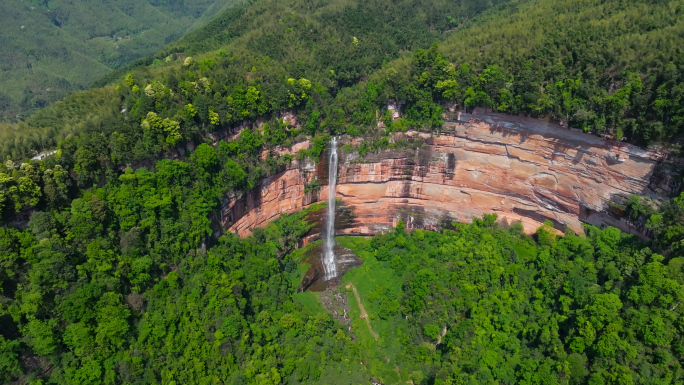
column 363, row 311
column 364, row 315
column 441, row 335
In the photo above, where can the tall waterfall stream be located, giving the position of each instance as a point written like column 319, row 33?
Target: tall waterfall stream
column 329, row 263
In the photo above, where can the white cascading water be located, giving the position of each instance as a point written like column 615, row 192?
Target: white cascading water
column 329, row 248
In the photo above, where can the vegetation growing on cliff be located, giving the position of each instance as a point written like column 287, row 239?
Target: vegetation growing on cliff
column 154, row 113
column 609, row 68
column 257, row 50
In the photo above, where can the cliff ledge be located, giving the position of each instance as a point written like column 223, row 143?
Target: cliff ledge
column 523, row 169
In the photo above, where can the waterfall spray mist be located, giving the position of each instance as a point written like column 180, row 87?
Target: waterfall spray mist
column 329, row 247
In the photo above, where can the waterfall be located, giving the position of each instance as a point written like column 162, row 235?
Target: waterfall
column 329, row 246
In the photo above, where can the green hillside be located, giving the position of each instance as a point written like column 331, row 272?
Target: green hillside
column 109, row 272
column 608, row 67
column 280, row 40
column 52, row 48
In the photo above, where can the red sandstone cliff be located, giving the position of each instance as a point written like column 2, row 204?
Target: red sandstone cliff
column 522, row 169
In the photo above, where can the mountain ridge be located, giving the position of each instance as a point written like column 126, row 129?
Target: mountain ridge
column 53, row 48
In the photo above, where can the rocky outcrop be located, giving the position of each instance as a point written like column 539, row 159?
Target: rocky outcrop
column 285, row 192
column 524, row 170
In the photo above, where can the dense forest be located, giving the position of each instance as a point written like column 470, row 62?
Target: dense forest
column 52, row 48
column 119, row 288
column 608, row 67
column 330, row 43
column 109, row 272
column 479, row 304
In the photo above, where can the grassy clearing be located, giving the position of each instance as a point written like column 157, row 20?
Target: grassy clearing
column 373, row 280
column 309, row 301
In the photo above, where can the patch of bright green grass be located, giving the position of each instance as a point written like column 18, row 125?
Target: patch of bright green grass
column 373, row 281
column 309, row 301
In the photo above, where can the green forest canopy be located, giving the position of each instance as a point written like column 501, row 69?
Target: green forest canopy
column 485, row 305
column 52, row 48
column 279, row 39
column 116, row 278
column 610, row 68
column 111, row 290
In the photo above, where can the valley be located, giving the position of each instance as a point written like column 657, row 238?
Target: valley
column 51, row 49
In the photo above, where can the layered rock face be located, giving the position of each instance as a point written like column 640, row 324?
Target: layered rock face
column 523, row 169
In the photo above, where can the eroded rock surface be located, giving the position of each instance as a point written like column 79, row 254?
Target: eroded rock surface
column 523, row 169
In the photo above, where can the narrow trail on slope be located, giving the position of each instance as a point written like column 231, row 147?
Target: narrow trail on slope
column 364, row 315
column 441, row 335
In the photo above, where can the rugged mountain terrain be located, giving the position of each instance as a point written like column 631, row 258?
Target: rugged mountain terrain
column 109, row 272
column 523, row 169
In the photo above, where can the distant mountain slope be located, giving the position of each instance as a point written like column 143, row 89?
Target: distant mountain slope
column 317, row 36
column 609, row 67
column 282, row 39
column 50, row 48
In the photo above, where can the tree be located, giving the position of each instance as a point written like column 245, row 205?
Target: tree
column 42, row 225
column 41, row 337
column 112, row 322
column 431, row 331
column 9, row 362
column 205, row 156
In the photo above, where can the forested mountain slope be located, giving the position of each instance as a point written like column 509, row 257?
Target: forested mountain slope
column 485, row 305
column 109, row 273
column 608, row 67
column 52, row 48
column 280, row 39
